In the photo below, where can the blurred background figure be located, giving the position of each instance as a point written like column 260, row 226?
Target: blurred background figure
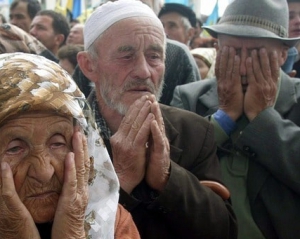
column 292, row 64
column 50, row 28
column 67, row 56
column 179, row 22
column 205, row 59
column 73, row 22
column 76, row 34
column 22, row 12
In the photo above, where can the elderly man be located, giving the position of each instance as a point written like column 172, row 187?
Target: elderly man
column 179, row 22
column 257, row 117
column 164, row 157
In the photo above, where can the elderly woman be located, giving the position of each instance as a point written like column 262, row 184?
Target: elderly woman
column 56, row 179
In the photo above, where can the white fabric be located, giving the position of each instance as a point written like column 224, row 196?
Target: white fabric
column 111, row 12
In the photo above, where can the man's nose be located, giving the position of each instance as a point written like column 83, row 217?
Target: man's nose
column 142, row 70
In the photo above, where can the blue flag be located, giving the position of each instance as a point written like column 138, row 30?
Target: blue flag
column 213, row 17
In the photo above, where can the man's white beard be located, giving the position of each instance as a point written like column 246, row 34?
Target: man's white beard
column 114, row 101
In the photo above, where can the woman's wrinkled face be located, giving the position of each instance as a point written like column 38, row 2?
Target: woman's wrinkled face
column 35, row 146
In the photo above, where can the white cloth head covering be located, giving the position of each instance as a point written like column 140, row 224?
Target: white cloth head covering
column 111, row 12
column 29, row 82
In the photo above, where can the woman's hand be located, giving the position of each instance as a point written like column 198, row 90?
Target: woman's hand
column 70, row 212
column 15, row 220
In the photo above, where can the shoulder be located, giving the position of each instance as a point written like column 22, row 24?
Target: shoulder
column 194, row 90
column 180, row 118
column 177, row 46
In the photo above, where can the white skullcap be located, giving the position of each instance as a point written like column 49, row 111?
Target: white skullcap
column 111, row 12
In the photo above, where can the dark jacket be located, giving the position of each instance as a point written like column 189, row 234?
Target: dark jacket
column 272, row 143
column 185, row 209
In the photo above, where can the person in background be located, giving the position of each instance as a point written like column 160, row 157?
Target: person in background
column 22, row 12
column 76, row 35
column 164, row 157
column 292, row 65
column 205, row 59
column 50, row 28
column 67, row 56
column 179, row 22
column 254, row 106
column 73, row 22
column 56, row 180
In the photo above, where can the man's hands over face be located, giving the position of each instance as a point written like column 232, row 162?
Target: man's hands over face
column 140, row 147
column 262, row 77
column 262, row 73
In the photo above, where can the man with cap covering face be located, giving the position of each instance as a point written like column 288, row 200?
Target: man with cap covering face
column 164, row 157
column 179, row 22
column 257, row 117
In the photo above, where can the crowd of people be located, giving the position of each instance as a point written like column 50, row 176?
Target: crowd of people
column 133, row 125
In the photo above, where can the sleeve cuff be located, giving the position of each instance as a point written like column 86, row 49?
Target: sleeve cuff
column 226, row 123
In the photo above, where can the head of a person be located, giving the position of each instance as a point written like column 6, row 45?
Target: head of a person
column 294, row 18
column 205, row 59
column 40, row 108
column 51, row 28
column 73, row 22
column 245, row 28
column 21, row 13
column 67, row 56
column 76, row 34
column 179, row 22
column 124, row 55
column 41, row 97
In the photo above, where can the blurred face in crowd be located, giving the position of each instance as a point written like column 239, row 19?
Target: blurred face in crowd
column 41, row 28
column 130, row 62
column 202, row 66
column 294, row 19
column 76, row 34
column 174, row 27
column 19, row 16
column 37, row 160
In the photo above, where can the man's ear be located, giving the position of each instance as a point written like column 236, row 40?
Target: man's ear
column 59, row 39
column 86, row 65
